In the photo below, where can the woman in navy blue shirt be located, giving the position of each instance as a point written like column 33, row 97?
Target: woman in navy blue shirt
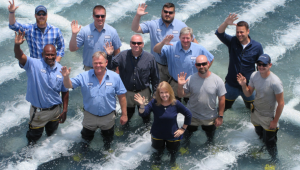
column 165, row 131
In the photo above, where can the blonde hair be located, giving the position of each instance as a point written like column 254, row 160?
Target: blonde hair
column 166, row 86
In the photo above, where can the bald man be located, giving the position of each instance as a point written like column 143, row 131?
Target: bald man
column 204, row 88
column 44, row 85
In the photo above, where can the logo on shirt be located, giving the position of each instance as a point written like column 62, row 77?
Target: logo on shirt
column 90, row 36
column 193, row 58
column 90, row 84
column 107, row 36
column 175, row 32
column 158, row 30
column 59, row 76
column 177, row 56
column 109, row 84
column 43, row 71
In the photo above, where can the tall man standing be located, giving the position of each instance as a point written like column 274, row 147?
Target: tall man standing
column 243, row 54
column 40, row 34
column 137, row 69
column 158, row 30
column 94, row 36
column 204, row 88
column 44, row 85
column 268, row 103
column 99, row 86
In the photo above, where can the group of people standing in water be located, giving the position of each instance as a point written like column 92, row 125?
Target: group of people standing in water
column 175, row 71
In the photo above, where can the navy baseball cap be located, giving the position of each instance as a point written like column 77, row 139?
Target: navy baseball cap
column 40, row 8
column 265, row 58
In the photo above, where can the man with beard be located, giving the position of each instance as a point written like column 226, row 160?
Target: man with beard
column 158, row 30
column 40, row 34
column 44, row 85
column 243, row 53
column 204, row 87
column 94, row 36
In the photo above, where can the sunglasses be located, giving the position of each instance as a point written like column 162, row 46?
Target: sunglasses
column 261, row 64
column 98, row 16
column 170, row 12
column 136, row 43
column 41, row 14
column 201, row 64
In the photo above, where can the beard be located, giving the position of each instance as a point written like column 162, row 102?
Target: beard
column 167, row 21
column 203, row 71
column 39, row 22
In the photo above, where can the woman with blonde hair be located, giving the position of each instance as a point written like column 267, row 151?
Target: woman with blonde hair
column 165, row 130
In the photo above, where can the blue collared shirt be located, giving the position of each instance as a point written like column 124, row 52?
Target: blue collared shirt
column 99, row 99
column 44, row 83
column 158, row 31
column 180, row 60
column 37, row 40
column 93, row 41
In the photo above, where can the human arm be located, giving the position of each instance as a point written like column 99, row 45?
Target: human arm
column 65, row 72
column 280, row 101
column 166, row 41
column 19, row 39
column 11, row 9
column 219, row 120
column 181, row 81
column 247, row 90
column 154, row 76
column 195, row 41
column 123, row 103
column 65, row 100
column 228, row 21
column 75, row 30
column 187, row 118
column 60, row 43
column 116, row 52
column 141, row 100
column 135, row 25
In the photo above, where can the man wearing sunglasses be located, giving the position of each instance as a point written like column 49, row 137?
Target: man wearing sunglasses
column 268, row 103
column 243, row 53
column 181, row 55
column 158, row 30
column 138, row 69
column 94, row 37
column 40, row 34
column 204, row 88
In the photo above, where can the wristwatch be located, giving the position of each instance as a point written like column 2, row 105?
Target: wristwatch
column 220, row 117
column 183, row 128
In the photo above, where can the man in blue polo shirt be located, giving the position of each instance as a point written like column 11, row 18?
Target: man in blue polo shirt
column 94, row 36
column 99, row 86
column 243, row 54
column 40, row 34
column 158, row 29
column 44, row 84
column 181, row 55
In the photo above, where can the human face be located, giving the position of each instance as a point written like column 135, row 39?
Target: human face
column 99, row 65
column 41, row 18
column 185, row 40
column 136, row 48
column 242, row 34
column 164, row 94
column 167, row 17
column 202, row 64
column 99, row 22
column 263, row 69
column 49, row 55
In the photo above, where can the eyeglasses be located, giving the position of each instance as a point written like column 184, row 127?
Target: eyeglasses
column 41, row 14
column 201, row 64
column 170, row 12
column 98, row 16
column 136, row 43
column 261, row 64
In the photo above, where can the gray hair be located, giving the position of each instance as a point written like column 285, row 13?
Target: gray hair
column 100, row 53
column 187, row 30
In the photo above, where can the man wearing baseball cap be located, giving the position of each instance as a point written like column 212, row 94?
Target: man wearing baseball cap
column 40, row 34
column 268, row 103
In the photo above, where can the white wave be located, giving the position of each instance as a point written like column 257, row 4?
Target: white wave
column 9, row 72
column 57, row 5
column 125, row 46
column 15, row 113
column 193, row 7
column 288, row 40
column 255, row 13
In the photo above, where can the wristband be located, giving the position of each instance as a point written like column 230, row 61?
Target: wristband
column 183, row 128
column 11, row 12
column 220, row 117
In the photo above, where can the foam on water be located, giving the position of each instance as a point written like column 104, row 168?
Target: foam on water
column 57, row 5
column 9, row 72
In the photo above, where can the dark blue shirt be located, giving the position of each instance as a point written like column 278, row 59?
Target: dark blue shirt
column 240, row 60
column 165, row 118
column 136, row 74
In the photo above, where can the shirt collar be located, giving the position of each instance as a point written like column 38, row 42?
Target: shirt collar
column 47, row 27
column 138, row 56
column 92, row 73
column 94, row 28
column 162, row 23
column 180, row 47
column 47, row 66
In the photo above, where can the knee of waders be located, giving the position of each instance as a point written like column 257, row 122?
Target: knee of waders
column 34, row 134
column 130, row 112
column 249, row 105
column 172, row 146
column 209, row 131
column 259, row 131
column 87, row 134
column 270, row 137
column 228, row 104
column 50, row 127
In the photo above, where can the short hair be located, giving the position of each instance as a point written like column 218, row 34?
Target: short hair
column 100, row 53
column 168, row 87
column 139, row 35
column 243, row 24
column 186, row 30
column 98, row 7
column 169, row 5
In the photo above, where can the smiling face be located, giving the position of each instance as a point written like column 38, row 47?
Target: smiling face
column 136, row 44
column 185, row 40
column 99, row 22
column 99, row 64
column 242, row 34
column 202, row 64
column 49, row 54
column 40, row 18
column 164, row 94
column 166, row 16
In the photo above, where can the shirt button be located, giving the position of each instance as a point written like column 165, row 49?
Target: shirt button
column 133, row 79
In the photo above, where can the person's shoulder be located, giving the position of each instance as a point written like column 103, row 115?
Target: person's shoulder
column 110, row 28
column 255, row 43
column 179, row 23
column 148, row 55
column 275, row 77
column 215, row 76
column 113, row 74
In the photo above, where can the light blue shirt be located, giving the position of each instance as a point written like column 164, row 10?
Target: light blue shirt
column 99, row 99
column 44, row 83
column 93, row 41
column 180, row 60
column 158, row 31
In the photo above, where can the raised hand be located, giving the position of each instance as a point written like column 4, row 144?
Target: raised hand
column 141, row 9
column 19, row 38
column 167, row 39
column 230, row 19
column 109, row 48
column 241, row 79
column 65, row 71
column 181, row 79
column 75, row 28
column 138, row 98
column 12, row 7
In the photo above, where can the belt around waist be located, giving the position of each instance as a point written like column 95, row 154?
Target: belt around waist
column 98, row 115
column 44, row 109
column 173, row 80
column 136, row 91
column 161, row 64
